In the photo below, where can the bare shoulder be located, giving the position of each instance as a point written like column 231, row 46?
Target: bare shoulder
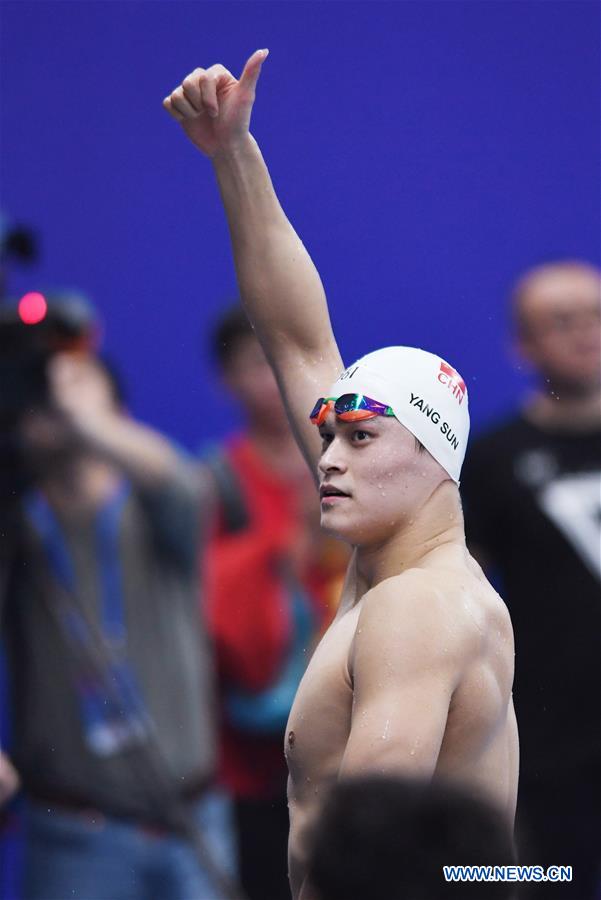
column 444, row 615
column 410, row 616
column 416, row 597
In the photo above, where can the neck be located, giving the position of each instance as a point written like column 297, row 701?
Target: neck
column 556, row 406
column 436, row 531
column 79, row 485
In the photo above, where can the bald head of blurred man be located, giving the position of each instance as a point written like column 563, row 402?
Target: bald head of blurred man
column 557, row 310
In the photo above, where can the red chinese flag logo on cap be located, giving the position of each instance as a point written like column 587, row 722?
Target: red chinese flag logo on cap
column 455, row 383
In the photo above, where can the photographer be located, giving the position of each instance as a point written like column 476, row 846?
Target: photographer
column 112, row 693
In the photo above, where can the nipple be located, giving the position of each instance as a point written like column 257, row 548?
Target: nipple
column 291, row 738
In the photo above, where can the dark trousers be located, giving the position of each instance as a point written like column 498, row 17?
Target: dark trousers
column 559, row 823
column 262, row 833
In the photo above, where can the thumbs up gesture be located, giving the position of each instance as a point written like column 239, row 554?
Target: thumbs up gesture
column 213, row 107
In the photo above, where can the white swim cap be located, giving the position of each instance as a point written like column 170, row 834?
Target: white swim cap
column 427, row 395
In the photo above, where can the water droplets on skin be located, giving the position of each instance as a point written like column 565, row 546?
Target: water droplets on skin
column 416, row 745
column 386, row 730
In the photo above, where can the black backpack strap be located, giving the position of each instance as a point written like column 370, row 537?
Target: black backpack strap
column 234, row 510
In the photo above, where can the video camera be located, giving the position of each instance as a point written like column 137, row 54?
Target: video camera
column 30, row 333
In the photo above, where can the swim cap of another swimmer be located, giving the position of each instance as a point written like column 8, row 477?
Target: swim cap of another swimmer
column 426, row 394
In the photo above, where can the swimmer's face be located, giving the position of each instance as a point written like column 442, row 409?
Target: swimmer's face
column 383, row 476
column 559, row 315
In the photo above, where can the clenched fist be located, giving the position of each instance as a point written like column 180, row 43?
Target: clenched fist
column 213, row 107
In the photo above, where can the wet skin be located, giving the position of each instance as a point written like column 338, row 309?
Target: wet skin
column 415, row 673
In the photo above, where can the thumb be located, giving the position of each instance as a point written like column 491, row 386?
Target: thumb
column 252, row 69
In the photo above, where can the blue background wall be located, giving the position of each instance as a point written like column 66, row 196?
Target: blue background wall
column 427, row 152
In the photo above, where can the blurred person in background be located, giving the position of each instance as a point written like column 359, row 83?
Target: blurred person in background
column 9, row 779
column 11, row 841
column 386, row 837
column 532, row 493
column 272, row 581
column 111, row 678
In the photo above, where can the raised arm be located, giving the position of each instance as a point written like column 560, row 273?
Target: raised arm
column 81, row 395
column 279, row 285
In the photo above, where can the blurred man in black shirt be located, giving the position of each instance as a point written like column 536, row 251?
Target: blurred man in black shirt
column 532, row 502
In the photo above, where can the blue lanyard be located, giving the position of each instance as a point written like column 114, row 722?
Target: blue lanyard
column 107, row 524
column 110, row 720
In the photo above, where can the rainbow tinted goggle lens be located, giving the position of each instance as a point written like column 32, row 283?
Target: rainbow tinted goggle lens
column 349, row 408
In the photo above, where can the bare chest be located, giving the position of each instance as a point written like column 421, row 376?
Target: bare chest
column 320, row 718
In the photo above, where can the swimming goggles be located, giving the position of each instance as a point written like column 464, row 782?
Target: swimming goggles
column 349, row 408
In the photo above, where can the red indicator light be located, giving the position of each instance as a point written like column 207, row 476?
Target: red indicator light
column 32, row 308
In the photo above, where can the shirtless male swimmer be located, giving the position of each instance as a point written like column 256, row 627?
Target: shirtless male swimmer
column 415, row 673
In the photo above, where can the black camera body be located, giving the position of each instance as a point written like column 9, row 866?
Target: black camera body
column 68, row 325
